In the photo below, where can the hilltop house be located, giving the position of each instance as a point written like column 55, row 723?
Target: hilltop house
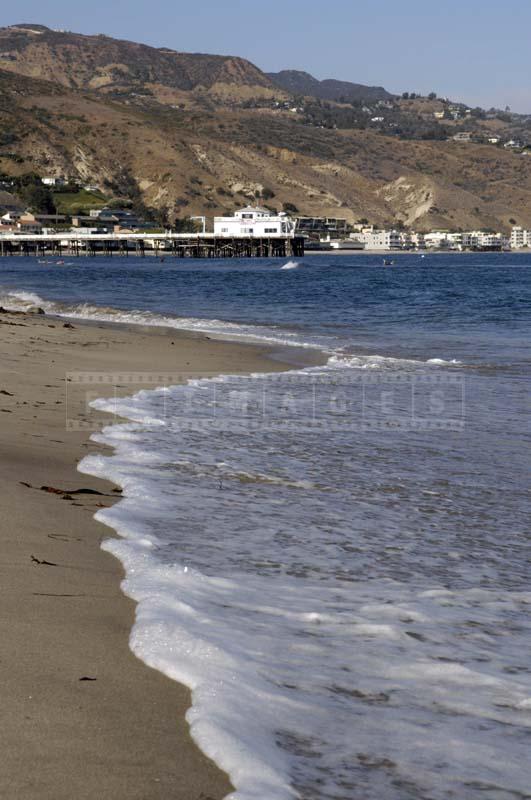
column 466, row 136
column 254, row 221
column 56, row 182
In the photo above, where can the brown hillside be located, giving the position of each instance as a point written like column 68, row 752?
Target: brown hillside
column 104, row 64
column 207, row 156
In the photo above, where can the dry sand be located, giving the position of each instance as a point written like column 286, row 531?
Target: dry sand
column 122, row 734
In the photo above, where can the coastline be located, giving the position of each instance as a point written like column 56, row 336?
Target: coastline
column 423, row 253
column 121, row 733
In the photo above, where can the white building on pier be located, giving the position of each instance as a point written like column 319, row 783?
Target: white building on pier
column 255, row 222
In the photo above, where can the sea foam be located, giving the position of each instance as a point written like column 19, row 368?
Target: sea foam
column 323, row 660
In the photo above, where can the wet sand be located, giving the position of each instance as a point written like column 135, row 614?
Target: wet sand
column 81, row 716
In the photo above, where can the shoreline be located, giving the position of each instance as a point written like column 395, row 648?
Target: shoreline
column 89, row 717
column 424, row 253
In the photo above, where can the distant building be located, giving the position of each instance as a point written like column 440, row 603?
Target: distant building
column 381, row 240
column 53, row 181
column 81, row 220
column 10, row 217
column 491, row 241
column 20, row 222
column 50, row 218
column 254, row 221
column 86, row 231
column 418, row 241
column 466, row 240
column 465, row 136
column 439, row 240
column 322, row 226
column 346, row 244
column 116, row 216
column 28, row 223
column 520, row 238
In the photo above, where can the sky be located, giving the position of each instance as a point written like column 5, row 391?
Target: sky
column 476, row 51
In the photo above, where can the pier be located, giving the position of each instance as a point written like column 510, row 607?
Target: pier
column 178, row 245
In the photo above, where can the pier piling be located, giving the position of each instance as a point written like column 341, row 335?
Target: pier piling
column 177, row 245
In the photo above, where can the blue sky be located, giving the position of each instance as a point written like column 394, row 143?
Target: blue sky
column 473, row 50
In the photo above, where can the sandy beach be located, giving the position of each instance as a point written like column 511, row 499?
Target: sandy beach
column 82, row 717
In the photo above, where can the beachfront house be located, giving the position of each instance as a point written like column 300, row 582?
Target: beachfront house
column 10, row 217
column 322, row 226
column 491, row 241
column 254, row 221
column 466, row 240
column 21, row 222
column 381, row 240
column 28, row 223
column 117, row 218
column 520, row 237
column 442, row 240
column 418, row 240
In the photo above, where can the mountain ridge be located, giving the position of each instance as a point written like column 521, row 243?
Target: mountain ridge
column 303, row 83
column 104, row 63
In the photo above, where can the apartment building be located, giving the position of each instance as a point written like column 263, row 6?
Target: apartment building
column 381, row 240
column 520, row 238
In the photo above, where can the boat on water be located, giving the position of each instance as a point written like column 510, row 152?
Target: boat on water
column 388, row 262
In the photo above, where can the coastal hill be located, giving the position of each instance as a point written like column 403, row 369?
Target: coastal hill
column 187, row 134
column 297, row 82
column 106, row 65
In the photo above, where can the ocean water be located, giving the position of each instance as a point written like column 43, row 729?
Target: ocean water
column 335, row 559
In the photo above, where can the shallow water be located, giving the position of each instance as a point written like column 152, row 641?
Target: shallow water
column 335, row 560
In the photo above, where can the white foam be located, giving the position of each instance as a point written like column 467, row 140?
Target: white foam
column 299, row 680
column 441, row 362
column 22, row 301
column 347, row 361
column 291, row 265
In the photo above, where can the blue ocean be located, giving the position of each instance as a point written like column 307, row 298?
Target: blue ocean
column 336, row 559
